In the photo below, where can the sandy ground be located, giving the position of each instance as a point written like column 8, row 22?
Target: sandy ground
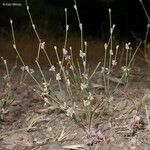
column 30, row 125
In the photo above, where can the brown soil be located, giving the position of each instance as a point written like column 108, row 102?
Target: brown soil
column 30, row 125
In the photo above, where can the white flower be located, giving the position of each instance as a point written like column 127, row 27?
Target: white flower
column 70, row 111
column 46, row 99
column 11, row 21
column 67, row 57
column 90, row 97
column 52, row 68
column 63, row 106
column 84, row 63
column 58, row 77
column 68, row 82
column 127, row 46
column 44, row 92
column 67, row 27
column 80, row 25
column 105, row 46
column 65, row 52
column 83, row 86
column 5, row 62
column 117, row 47
column 111, row 52
column 33, row 26
column 114, row 63
column 82, row 54
column 104, row 70
column 27, row 68
column 31, row 71
column 22, row 68
column 112, row 29
column 85, row 76
column 71, row 67
column 110, row 99
column 75, row 7
column 125, row 69
column 86, row 103
column 27, row 7
column 14, row 46
column 42, row 45
column 85, row 43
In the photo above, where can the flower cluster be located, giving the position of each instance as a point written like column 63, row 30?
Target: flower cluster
column 31, row 71
column 42, row 45
column 45, row 89
column 88, row 101
column 58, row 77
column 114, row 62
column 125, row 69
column 82, row 54
column 70, row 111
column 111, row 52
column 104, row 70
column 52, row 68
column 127, row 46
column 83, row 86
